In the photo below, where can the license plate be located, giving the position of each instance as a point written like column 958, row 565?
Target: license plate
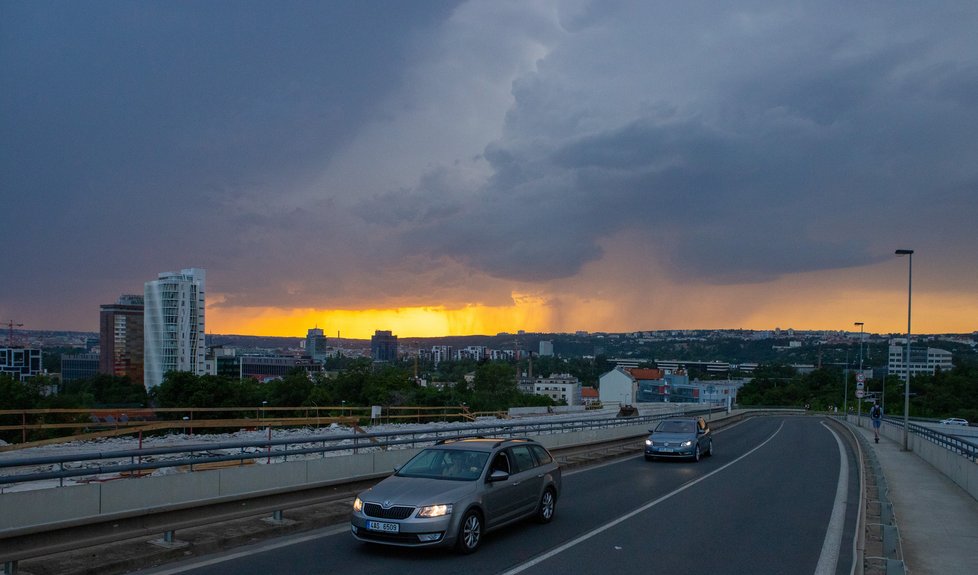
column 383, row 526
column 667, row 450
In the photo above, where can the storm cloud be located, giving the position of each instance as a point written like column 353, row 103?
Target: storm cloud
column 358, row 154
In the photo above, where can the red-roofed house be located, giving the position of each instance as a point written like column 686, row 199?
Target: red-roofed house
column 589, row 396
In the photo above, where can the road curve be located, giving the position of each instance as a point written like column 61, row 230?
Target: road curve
column 780, row 495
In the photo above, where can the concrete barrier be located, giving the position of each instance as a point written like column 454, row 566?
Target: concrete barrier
column 45, row 508
column 957, row 468
column 20, row 510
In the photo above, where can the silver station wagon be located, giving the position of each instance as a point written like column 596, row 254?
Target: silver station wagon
column 456, row 491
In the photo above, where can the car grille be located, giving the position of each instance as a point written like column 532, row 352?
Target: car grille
column 396, row 512
column 399, row 538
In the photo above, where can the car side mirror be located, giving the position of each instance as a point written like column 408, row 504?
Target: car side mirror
column 498, row 475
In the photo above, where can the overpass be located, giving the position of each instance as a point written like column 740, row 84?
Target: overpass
column 181, row 492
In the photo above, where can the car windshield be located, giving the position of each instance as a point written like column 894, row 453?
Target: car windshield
column 451, row 464
column 676, row 427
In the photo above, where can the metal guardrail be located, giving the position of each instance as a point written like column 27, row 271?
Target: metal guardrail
column 951, row 443
column 963, row 447
column 136, row 460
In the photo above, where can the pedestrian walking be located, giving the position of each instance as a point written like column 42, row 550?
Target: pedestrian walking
column 876, row 414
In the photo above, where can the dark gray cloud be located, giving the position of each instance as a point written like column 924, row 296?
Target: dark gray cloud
column 386, row 152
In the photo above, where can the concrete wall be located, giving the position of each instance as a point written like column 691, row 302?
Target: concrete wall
column 957, row 468
column 20, row 510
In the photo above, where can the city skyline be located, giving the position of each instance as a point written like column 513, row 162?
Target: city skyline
column 475, row 167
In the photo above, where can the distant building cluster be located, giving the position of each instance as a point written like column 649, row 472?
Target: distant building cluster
column 144, row 336
column 633, row 385
column 440, row 353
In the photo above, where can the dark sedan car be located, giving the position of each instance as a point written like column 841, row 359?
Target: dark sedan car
column 681, row 437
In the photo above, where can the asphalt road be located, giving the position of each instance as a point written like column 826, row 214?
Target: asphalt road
column 779, row 496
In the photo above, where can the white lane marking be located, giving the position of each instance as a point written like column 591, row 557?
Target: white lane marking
column 582, row 538
column 828, row 559
column 260, row 548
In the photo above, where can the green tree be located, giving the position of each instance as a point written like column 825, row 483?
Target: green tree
column 16, row 394
column 390, row 385
column 494, row 387
column 292, row 390
column 107, row 390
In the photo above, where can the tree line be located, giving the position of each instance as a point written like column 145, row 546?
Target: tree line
column 951, row 393
column 361, row 383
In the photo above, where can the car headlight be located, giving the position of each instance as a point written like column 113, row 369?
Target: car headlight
column 357, row 504
column 687, row 443
column 435, row 510
column 648, row 442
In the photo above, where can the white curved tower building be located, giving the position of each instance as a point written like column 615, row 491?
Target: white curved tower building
column 173, row 331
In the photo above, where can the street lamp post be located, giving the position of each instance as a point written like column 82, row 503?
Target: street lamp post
column 860, row 324
column 906, row 363
column 845, row 396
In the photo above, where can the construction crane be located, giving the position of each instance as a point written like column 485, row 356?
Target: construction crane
column 10, row 333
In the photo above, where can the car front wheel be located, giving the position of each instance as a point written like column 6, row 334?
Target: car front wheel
column 547, row 507
column 469, row 533
column 696, row 453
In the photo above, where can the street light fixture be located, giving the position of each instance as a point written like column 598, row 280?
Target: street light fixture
column 906, row 364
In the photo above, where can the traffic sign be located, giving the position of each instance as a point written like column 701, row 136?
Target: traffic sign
column 860, row 377
column 859, row 385
column 860, row 393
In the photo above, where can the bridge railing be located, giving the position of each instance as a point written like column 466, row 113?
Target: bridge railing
column 954, row 444
column 202, row 455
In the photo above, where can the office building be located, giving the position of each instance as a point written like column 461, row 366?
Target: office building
column 316, row 344
column 20, row 362
column 174, row 325
column 80, row 366
column 923, row 360
column 266, row 367
column 383, row 346
column 121, row 338
column 546, row 348
column 222, row 361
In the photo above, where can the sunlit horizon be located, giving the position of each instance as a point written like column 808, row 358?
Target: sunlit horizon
column 475, row 320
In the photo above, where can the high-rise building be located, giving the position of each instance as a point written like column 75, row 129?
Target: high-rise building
column 383, row 346
column 121, row 338
column 546, row 348
column 174, row 325
column 316, row 344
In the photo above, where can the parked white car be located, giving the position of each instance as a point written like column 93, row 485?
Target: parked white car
column 954, row 421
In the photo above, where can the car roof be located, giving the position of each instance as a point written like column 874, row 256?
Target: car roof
column 481, row 443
